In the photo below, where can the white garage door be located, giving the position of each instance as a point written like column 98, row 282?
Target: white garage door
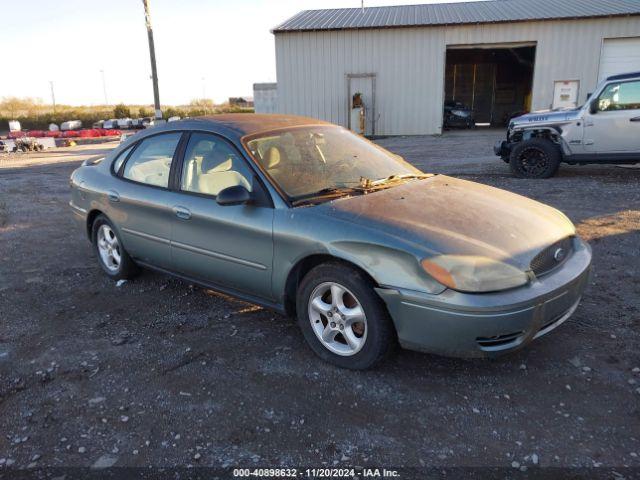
column 619, row 55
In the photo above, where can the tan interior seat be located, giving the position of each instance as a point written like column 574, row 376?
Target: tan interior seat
column 217, row 175
column 152, row 172
column 272, row 158
column 273, row 163
column 191, row 173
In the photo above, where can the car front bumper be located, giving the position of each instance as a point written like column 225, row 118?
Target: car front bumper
column 489, row 324
column 502, row 148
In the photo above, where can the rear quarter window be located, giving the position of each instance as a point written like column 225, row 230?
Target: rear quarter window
column 121, row 158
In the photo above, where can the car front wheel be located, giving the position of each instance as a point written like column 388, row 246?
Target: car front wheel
column 535, row 158
column 342, row 318
column 112, row 256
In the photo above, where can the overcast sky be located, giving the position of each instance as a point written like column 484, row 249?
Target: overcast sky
column 213, row 48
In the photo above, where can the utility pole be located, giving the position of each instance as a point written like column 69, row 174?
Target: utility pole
column 53, row 96
column 104, row 88
column 152, row 54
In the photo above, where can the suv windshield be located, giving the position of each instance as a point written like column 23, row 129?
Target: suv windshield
column 317, row 160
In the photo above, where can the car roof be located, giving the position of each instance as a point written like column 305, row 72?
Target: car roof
column 624, row 76
column 250, row 123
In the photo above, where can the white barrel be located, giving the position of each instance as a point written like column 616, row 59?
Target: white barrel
column 71, row 125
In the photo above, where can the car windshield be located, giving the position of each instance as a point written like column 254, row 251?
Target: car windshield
column 321, row 160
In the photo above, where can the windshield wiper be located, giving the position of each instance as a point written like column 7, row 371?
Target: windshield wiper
column 363, row 186
column 368, row 183
column 323, row 192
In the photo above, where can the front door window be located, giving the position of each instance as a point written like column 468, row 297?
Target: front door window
column 620, row 96
column 211, row 165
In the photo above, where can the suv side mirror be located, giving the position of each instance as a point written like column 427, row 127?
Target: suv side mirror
column 593, row 106
column 235, row 195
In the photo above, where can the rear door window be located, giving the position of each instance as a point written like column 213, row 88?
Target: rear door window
column 150, row 162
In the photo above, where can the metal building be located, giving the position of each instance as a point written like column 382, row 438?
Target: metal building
column 498, row 57
column 265, row 97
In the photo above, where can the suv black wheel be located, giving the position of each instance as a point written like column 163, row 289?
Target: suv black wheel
column 535, row 158
column 342, row 318
column 112, row 256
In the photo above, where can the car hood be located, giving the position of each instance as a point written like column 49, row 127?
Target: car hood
column 444, row 215
column 546, row 117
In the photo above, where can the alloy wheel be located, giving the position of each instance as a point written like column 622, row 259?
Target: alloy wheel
column 337, row 318
column 109, row 248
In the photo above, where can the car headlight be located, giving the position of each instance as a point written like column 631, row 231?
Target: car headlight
column 470, row 273
column 460, row 113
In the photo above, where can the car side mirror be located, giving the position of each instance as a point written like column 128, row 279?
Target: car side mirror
column 593, row 106
column 235, row 195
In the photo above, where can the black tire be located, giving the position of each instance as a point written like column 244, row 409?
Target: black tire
column 535, row 158
column 126, row 268
column 380, row 339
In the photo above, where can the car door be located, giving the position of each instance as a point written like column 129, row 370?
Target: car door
column 139, row 201
column 231, row 245
column 614, row 125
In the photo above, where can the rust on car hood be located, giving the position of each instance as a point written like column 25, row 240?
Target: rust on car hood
column 445, row 215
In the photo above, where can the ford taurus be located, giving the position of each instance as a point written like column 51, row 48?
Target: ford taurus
column 309, row 219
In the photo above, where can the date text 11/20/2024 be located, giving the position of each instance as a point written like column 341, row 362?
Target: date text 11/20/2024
column 315, row 473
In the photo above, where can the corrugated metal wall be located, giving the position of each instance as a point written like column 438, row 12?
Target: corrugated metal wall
column 409, row 66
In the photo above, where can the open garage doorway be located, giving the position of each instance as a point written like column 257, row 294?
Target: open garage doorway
column 492, row 81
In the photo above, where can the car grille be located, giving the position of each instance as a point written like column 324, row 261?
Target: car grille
column 552, row 256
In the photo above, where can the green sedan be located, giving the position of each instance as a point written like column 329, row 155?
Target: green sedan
column 308, row 219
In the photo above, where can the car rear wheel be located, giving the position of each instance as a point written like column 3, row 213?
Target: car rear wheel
column 535, row 158
column 112, row 256
column 342, row 318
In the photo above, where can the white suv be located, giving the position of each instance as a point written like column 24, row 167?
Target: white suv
column 606, row 129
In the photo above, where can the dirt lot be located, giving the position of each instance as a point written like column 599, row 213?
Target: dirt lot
column 160, row 373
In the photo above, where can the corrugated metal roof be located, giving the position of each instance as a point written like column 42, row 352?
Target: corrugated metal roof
column 456, row 13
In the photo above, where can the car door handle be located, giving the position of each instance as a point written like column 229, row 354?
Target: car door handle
column 182, row 212
column 113, row 196
column 634, row 119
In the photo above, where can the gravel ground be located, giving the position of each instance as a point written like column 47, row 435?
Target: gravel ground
column 158, row 372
